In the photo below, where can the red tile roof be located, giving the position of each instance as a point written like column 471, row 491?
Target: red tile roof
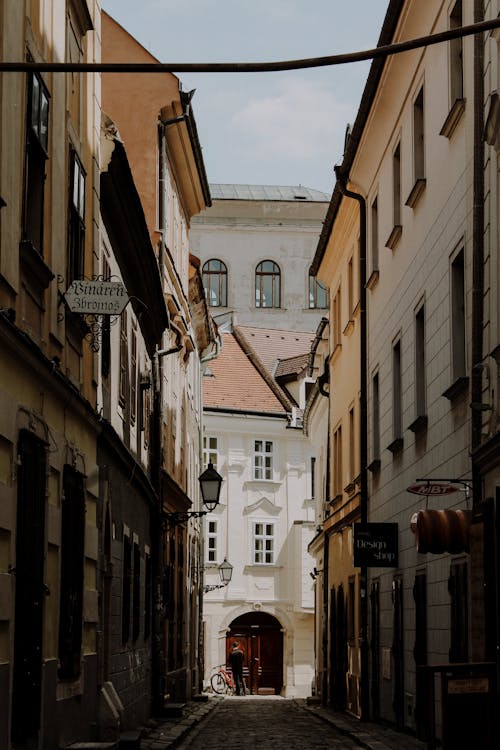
column 271, row 344
column 231, row 381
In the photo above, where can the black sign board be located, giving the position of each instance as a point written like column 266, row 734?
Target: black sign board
column 376, row 545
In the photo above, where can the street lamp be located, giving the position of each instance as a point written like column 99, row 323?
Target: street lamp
column 210, row 485
column 225, row 573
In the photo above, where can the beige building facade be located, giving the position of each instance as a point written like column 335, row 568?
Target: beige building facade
column 49, row 614
column 416, row 192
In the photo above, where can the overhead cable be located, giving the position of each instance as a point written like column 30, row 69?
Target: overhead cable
column 254, row 67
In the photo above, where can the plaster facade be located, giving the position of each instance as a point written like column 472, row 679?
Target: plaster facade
column 247, row 225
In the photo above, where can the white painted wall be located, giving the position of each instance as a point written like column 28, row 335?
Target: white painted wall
column 283, row 589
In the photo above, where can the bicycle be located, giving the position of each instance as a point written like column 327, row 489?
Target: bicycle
column 222, row 681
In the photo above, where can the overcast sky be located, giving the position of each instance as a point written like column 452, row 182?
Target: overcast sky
column 283, row 128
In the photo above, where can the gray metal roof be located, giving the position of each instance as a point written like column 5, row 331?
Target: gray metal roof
column 297, row 193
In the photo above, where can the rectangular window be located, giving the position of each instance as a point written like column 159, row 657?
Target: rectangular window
column 458, row 316
column 420, row 374
column 337, row 462
column 146, row 413
column 148, row 595
column 318, row 294
column 72, row 553
column 123, row 384
column 126, row 586
column 396, row 186
column 375, row 418
column 352, row 445
column 210, row 452
column 350, row 287
column 133, row 375
column 136, row 596
column 351, row 610
column 263, row 459
column 106, row 327
column 36, row 154
column 337, row 319
column 374, row 234
column 212, row 538
column 313, row 478
column 263, row 543
column 397, row 412
column 456, row 56
column 76, row 219
column 418, row 137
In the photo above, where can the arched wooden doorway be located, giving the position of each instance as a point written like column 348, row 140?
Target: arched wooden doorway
column 260, row 637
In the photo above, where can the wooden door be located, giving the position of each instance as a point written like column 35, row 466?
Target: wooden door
column 30, row 592
column 375, row 648
column 263, row 661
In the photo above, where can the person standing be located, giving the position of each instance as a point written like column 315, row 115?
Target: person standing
column 236, row 661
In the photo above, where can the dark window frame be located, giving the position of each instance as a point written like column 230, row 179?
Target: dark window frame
column 76, row 218
column 215, row 282
column 35, row 158
column 267, row 270
column 72, row 574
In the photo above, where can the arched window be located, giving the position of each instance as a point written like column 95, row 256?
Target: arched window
column 215, row 283
column 318, row 294
column 267, row 284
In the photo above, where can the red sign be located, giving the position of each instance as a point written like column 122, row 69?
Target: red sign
column 432, row 489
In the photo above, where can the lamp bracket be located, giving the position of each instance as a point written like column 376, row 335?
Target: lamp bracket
column 213, row 586
column 174, row 519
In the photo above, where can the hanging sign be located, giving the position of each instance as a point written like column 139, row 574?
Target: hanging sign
column 428, row 489
column 376, row 545
column 96, row 297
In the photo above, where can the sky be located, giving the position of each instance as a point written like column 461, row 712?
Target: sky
column 280, row 128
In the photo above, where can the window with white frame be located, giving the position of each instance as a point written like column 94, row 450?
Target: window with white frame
column 263, row 459
column 211, row 545
column 263, row 543
column 210, row 451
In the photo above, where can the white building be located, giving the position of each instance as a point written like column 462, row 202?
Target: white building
column 264, row 522
column 256, row 243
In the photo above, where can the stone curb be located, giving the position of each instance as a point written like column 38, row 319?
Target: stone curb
column 361, row 735
column 169, row 733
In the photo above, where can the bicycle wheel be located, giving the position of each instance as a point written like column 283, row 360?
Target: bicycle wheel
column 218, row 683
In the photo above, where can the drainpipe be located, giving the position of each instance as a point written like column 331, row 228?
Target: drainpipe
column 157, row 532
column 477, row 254
column 326, row 628
column 363, row 436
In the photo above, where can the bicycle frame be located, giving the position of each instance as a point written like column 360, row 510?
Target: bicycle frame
column 222, row 680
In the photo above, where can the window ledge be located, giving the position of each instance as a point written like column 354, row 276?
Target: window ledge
column 374, row 466
column 34, row 265
column 416, row 192
column 456, row 389
column 453, row 118
column 419, row 424
column 396, row 446
column 350, row 488
column 373, row 279
column 394, row 236
column 335, row 500
column 267, row 482
column 349, row 328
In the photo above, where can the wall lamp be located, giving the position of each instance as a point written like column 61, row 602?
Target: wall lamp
column 225, row 573
column 210, row 485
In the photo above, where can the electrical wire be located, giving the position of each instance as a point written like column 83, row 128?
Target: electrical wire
column 254, row 67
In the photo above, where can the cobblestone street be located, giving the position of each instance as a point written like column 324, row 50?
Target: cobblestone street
column 271, row 722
